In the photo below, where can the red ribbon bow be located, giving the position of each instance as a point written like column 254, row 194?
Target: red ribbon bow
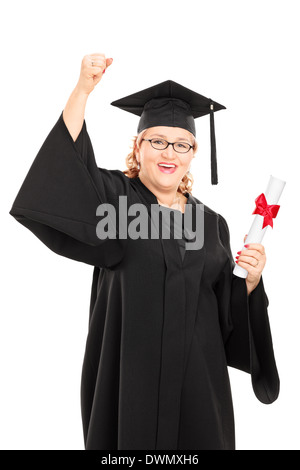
column 268, row 211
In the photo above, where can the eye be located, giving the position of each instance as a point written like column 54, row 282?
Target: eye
column 182, row 145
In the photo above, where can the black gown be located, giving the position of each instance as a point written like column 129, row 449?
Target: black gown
column 162, row 327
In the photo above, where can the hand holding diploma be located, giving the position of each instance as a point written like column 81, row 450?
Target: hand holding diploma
column 253, row 259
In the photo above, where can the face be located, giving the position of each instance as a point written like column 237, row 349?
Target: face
column 153, row 174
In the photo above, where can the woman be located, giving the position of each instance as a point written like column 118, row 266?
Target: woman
column 165, row 320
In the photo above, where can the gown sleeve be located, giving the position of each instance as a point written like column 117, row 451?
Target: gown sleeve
column 59, row 197
column 245, row 326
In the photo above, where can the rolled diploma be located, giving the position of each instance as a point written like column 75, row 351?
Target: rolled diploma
column 256, row 232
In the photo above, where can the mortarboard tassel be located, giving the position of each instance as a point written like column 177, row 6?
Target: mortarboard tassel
column 214, row 169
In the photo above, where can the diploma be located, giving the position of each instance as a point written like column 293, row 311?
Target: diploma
column 266, row 210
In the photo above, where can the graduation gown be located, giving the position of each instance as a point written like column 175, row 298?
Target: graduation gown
column 163, row 328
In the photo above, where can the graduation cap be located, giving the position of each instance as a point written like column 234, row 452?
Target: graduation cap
column 171, row 104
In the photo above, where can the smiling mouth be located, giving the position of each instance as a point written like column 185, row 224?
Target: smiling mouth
column 167, row 168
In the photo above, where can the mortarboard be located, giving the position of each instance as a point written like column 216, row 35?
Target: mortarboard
column 171, row 104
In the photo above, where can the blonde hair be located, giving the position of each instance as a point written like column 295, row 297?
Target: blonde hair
column 185, row 185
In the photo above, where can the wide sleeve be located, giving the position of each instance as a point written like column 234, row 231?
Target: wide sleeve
column 59, row 197
column 245, row 326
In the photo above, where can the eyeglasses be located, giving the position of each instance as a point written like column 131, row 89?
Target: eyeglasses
column 180, row 147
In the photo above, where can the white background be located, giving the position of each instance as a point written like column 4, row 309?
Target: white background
column 243, row 54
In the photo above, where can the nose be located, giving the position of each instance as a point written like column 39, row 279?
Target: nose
column 169, row 151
